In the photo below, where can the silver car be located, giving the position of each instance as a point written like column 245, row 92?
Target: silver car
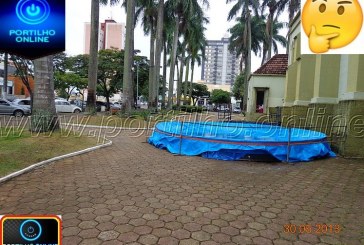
column 8, row 108
column 65, row 106
column 22, row 102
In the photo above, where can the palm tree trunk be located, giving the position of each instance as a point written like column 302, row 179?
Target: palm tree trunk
column 159, row 47
column 94, row 46
column 248, row 61
column 44, row 116
column 164, row 76
column 180, row 78
column 191, row 83
column 186, row 80
column 128, row 57
column 269, row 30
column 152, row 88
column 173, row 62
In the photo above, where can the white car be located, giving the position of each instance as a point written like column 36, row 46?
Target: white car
column 65, row 106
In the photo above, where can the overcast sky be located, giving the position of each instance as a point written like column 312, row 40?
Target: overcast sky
column 78, row 12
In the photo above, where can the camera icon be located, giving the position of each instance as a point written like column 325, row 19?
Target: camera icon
column 30, row 230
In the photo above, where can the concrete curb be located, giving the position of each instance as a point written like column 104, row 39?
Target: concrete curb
column 45, row 162
column 103, row 127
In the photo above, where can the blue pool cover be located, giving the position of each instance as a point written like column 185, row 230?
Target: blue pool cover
column 236, row 140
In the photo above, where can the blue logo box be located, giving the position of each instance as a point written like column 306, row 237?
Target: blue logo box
column 32, row 28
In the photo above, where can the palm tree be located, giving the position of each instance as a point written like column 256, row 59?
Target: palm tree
column 196, row 42
column 44, row 116
column 196, row 57
column 275, row 8
column 149, row 11
column 94, row 42
column 182, row 59
column 276, row 38
column 167, row 47
column 245, row 6
column 129, row 56
column 182, row 11
column 159, row 46
column 236, row 40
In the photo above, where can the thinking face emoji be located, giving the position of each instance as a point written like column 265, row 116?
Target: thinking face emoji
column 331, row 24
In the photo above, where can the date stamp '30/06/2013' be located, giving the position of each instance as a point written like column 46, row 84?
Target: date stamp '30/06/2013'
column 312, row 229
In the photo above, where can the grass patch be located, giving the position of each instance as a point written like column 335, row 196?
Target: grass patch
column 19, row 149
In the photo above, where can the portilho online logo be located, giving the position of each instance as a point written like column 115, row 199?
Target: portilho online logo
column 32, row 12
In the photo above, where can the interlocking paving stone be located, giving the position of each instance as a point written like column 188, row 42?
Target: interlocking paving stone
column 133, row 193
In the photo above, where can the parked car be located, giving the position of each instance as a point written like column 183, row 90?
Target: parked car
column 100, row 105
column 22, row 102
column 236, row 110
column 65, row 106
column 117, row 104
column 8, row 108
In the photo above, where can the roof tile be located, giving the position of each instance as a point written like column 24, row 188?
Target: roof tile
column 277, row 65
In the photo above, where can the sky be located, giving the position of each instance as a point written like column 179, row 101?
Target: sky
column 78, row 12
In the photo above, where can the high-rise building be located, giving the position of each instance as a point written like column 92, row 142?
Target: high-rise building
column 111, row 35
column 221, row 66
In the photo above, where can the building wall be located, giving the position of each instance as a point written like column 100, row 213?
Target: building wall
column 111, row 36
column 19, row 89
column 87, row 34
column 326, row 93
column 210, row 87
column 220, row 66
column 114, row 36
column 275, row 93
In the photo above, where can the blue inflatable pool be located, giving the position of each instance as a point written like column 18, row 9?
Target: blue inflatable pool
column 236, row 140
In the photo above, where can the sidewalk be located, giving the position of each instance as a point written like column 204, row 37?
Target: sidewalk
column 133, row 193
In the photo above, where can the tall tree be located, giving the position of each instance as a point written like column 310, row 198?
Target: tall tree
column 275, row 8
column 148, row 10
column 159, row 46
column 236, row 40
column 44, row 116
column 129, row 56
column 168, row 30
column 182, row 11
column 245, row 6
column 196, row 42
column 94, row 46
column 276, row 38
column 110, row 73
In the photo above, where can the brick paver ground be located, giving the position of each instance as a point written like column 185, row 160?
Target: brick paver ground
column 133, row 193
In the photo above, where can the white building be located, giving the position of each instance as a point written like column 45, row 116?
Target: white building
column 266, row 85
column 221, row 66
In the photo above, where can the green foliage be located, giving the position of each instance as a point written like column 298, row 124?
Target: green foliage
column 141, row 65
column 65, row 83
column 198, row 90
column 219, row 96
column 78, row 64
column 238, row 88
column 142, row 113
column 110, row 72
